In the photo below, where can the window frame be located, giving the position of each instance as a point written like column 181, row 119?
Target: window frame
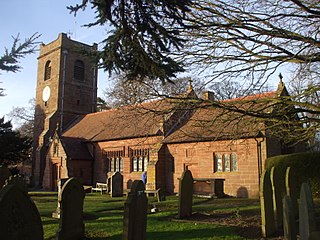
column 225, row 162
column 79, row 70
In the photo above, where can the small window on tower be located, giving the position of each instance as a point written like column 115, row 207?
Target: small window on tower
column 47, row 70
column 78, row 71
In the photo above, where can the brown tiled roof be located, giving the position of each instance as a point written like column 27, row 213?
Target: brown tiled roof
column 210, row 122
column 141, row 120
column 125, row 122
column 75, row 148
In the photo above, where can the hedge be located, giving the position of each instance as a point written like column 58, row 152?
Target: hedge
column 306, row 167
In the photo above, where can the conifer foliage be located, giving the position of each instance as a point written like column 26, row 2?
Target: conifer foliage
column 14, row 148
column 142, row 36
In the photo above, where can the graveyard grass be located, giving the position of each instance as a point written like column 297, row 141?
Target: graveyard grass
column 214, row 219
column 103, row 217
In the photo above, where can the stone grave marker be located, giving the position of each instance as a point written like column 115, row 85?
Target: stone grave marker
column 292, row 190
column 185, row 195
column 19, row 181
column 117, row 185
column 60, row 183
column 161, row 195
column 135, row 213
column 4, row 175
column 306, row 213
column 71, row 203
column 289, row 227
column 278, row 189
column 19, row 217
column 266, row 202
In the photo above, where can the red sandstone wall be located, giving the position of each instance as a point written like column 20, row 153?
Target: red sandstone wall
column 199, row 157
column 100, row 172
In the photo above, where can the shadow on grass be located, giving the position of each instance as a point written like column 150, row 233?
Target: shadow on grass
column 205, row 233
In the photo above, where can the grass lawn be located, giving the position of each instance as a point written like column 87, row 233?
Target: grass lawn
column 104, row 217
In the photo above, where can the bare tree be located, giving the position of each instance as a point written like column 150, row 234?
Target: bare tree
column 24, row 118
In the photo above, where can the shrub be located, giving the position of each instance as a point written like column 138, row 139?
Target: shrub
column 306, row 167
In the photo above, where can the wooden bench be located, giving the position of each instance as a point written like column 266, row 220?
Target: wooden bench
column 100, row 187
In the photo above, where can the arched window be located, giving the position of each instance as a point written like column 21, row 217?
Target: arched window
column 47, row 70
column 78, row 70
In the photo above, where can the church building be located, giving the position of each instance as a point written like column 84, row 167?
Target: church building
column 161, row 137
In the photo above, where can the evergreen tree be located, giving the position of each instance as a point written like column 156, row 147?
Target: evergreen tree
column 143, row 35
column 14, row 148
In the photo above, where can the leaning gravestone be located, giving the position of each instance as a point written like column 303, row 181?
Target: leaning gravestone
column 185, row 195
column 306, row 213
column 117, row 185
column 19, row 217
column 71, row 203
column 267, row 214
column 278, row 189
column 292, row 190
column 135, row 213
column 289, row 228
column 4, row 175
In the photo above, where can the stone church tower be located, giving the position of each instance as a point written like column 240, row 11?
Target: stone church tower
column 66, row 87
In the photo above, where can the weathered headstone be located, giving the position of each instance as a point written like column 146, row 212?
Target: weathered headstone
column 135, row 213
column 278, row 189
column 60, row 183
column 266, row 202
column 185, row 195
column 292, row 190
column 19, row 217
column 117, row 185
column 161, row 195
column 306, row 213
column 71, row 202
column 314, row 236
column 4, row 175
column 289, row 227
column 19, row 181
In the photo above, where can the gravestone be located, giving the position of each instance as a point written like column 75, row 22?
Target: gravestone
column 292, row 190
column 135, row 213
column 306, row 212
column 19, row 181
column 4, row 175
column 185, row 195
column 161, row 195
column 117, row 185
column 60, row 183
column 314, row 236
column 19, row 217
column 278, row 189
column 289, row 227
column 266, row 202
column 71, row 203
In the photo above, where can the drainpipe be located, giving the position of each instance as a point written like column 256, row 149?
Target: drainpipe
column 64, row 53
column 259, row 154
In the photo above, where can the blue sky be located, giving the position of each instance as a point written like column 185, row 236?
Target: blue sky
column 48, row 18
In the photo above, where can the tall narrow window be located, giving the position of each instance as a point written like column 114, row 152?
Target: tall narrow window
column 226, row 158
column 47, row 70
column 78, row 71
column 139, row 159
column 234, row 162
column 218, row 163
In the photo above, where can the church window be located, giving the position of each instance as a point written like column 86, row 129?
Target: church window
column 234, row 163
column 139, row 159
column 226, row 158
column 78, row 71
column 114, row 160
column 47, row 70
column 218, row 163
column 115, row 164
column 225, row 162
